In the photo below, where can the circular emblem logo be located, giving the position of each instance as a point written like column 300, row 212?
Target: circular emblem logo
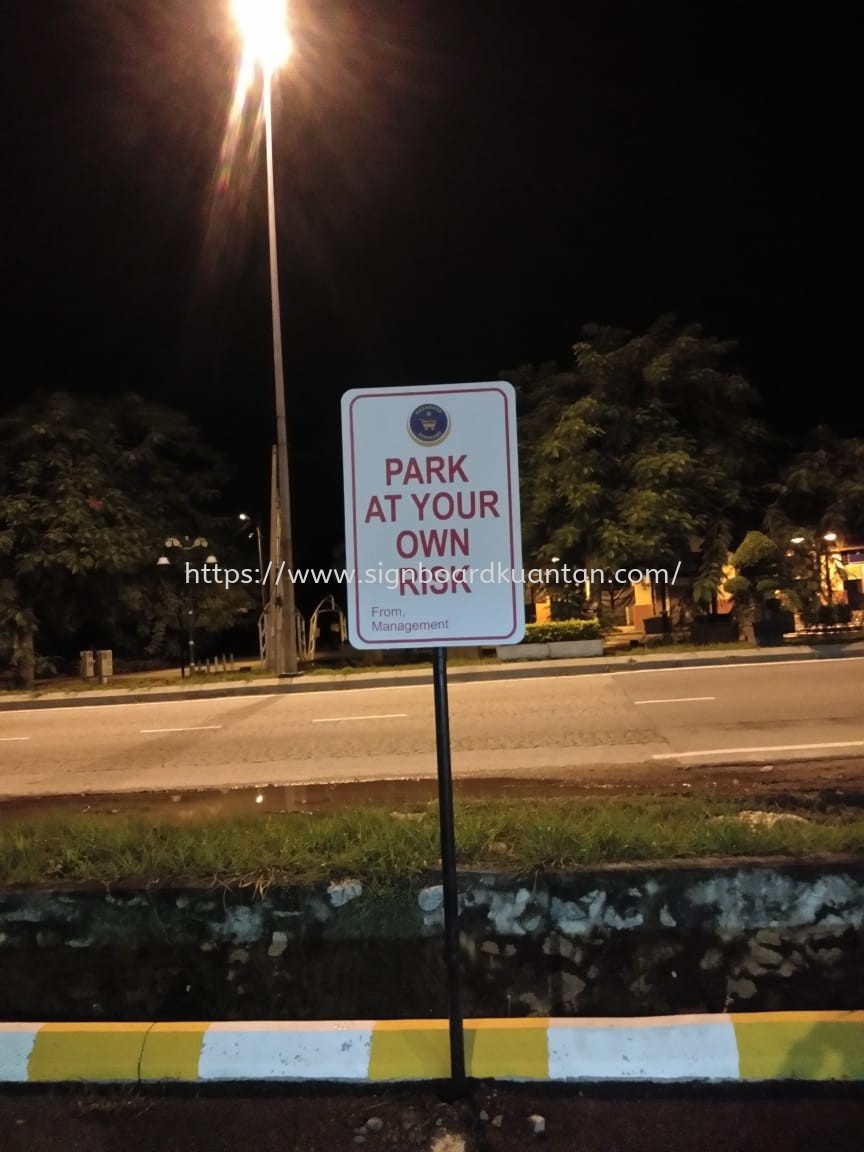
column 428, row 425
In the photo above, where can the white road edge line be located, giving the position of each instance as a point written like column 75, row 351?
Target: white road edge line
column 200, row 728
column 339, row 719
column 737, row 663
column 737, row 666
column 453, row 685
column 353, row 691
column 12, row 739
column 764, row 748
column 67, row 708
column 677, row 700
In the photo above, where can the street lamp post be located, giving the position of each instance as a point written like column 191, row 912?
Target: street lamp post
column 264, row 622
column 830, row 539
column 244, row 518
column 820, row 549
column 199, row 544
column 267, row 44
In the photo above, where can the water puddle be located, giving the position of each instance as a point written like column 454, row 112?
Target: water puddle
column 825, row 785
column 215, row 803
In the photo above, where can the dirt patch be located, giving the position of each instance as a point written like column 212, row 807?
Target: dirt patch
column 494, row 1119
column 825, row 784
column 842, row 780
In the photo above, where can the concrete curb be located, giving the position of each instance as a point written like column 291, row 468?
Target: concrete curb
column 592, row 665
column 738, row 1048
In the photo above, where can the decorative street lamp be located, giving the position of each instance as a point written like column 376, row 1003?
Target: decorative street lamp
column 267, row 45
column 187, row 545
column 829, row 538
column 247, row 520
column 821, row 553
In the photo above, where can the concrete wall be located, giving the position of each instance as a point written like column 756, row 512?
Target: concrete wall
column 611, row 942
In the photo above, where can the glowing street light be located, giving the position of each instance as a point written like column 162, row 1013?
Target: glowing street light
column 821, row 552
column 267, row 45
column 255, row 530
column 266, row 39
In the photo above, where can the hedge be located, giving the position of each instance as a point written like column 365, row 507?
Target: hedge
column 562, row 630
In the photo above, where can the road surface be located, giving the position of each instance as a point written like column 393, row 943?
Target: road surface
column 675, row 717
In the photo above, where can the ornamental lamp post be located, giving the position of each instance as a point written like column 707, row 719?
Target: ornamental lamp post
column 187, row 544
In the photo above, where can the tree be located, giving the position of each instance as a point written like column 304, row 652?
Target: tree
column 543, row 392
column 821, row 489
column 640, row 448
column 87, row 488
column 763, row 578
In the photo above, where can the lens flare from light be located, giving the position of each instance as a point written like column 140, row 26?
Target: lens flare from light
column 266, row 44
column 263, row 26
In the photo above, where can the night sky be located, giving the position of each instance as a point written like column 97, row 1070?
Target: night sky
column 461, row 185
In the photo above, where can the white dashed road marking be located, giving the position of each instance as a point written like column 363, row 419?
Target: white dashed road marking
column 676, row 700
column 201, row 728
column 340, row 719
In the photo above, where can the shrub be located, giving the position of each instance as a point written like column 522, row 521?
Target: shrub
column 829, row 615
column 565, row 610
column 562, row 630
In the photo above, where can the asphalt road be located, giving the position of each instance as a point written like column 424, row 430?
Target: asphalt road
column 674, row 717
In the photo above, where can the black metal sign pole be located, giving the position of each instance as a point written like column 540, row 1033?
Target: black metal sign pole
column 448, row 870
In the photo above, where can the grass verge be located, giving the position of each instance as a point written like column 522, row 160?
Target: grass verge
column 127, row 683
column 388, row 848
column 650, row 649
column 421, row 666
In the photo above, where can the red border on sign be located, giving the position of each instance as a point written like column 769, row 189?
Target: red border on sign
column 414, row 392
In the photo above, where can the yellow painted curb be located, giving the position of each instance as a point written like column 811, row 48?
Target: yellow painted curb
column 420, row 1049
column 87, row 1052
column 759, row 1046
column 800, row 1045
column 410, row 1050
column 172, row 1051
column 507, row 1049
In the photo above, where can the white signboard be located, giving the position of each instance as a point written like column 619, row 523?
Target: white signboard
column 433, row 537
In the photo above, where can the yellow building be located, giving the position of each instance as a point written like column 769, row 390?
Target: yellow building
column 638, row 602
